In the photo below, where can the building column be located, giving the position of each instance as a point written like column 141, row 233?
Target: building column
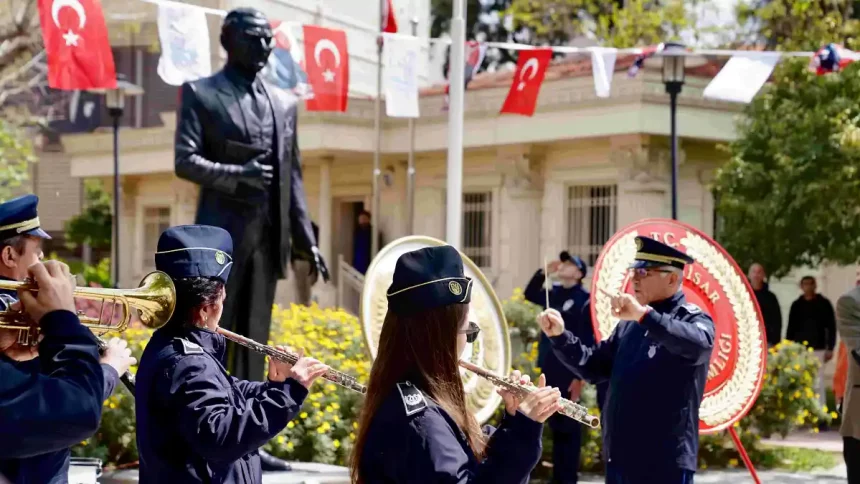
column 520, row 209
column 644, row 184
column 325, row 211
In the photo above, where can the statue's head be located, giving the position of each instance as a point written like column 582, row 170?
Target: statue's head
column 247, row 37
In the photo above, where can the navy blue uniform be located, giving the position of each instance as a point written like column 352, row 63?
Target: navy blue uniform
column 566, row 432
column 60, row 405
column 50, row 467
column 413, row 440
column 657, row 370
column 196, row 423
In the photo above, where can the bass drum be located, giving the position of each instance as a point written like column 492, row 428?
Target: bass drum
column 492, row 349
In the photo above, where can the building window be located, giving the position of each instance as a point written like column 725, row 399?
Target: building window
column 592, row 215
column 478, row 227
column 155, row 221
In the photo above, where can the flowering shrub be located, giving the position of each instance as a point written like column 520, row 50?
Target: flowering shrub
column 787, row 401
column 325, row 429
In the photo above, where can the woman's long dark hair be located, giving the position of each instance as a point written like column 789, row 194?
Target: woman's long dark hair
column 423, row 349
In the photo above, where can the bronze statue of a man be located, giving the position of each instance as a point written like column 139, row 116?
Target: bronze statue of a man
column 236, row 138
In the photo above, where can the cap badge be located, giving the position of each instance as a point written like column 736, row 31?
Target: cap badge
column 220, row 257
column 455, row 288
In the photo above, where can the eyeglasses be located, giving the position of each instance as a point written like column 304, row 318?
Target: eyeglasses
column 471, row 332
column 642, row 273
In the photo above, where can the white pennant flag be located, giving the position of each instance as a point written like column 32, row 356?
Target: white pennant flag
column 401, row 76
column 603, row 68
column 184, row 37
column 742, row 77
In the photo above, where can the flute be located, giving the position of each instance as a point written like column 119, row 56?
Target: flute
column 331, row 375
column 568, row 408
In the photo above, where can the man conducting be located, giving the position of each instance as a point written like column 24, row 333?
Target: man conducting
column 656, row 361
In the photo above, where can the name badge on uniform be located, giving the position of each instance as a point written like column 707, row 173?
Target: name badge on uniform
column 567, row 305
column 652, row 351
column 413, row 399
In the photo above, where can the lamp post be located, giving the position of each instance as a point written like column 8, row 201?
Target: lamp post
column 673, row 78
column 115, row 102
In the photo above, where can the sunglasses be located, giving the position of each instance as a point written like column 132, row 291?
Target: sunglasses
column 471, row 332
column 645, row 272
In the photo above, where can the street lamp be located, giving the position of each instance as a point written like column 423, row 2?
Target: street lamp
column 115, row 102
column 673, row 78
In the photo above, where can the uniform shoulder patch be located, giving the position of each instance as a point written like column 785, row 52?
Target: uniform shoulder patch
column 189, row 348
column 413, row 399
column 692, row 308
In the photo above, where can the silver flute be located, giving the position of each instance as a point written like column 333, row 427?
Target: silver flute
column 568, row 408
column 331, row 375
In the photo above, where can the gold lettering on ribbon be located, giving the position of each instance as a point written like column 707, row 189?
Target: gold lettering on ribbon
column 724, row 350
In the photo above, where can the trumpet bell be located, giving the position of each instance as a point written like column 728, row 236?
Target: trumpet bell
column 154, row 300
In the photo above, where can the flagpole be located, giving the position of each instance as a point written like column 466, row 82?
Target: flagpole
column 377, row 123
column 456, row 91
column 410, row 171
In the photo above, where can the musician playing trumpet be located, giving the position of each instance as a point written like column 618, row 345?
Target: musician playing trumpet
column 656, row 362
column 414, row 425
column 195, row 422
column 21, row 237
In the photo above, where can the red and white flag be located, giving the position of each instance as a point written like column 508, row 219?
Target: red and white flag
column 327, row 63
column 389, row 22
column 77, row 45
column 531, row 69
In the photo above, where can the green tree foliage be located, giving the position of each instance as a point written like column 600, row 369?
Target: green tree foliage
column 803, row 25
column 93, row 226
column 16, row 154
column 789, row 194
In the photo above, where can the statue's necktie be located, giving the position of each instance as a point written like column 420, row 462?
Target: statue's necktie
column 260, row 102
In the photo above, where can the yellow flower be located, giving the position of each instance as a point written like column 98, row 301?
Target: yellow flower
column 303, row 415
column 833, row 415
column 291, row 425
column 733, row 462
column 290, row 446
column 336, row 443
column 281, row 439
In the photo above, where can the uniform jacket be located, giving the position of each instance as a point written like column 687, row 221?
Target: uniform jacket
column 196, row 423
column 570, row 303
column 62, row 404
column 211, row 127
column 413, row 440
column 50, row 467
column 848, row 319
column 657, row 370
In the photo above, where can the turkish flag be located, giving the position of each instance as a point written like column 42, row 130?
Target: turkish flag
column 389, row 22
column 531, row 68
column 77, row 45
column 327, row 62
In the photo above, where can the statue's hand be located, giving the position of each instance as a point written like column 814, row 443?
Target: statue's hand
column 257, row 174
column 319, row 267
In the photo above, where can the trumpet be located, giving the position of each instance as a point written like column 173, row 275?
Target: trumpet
column 154, row 299
column 568, row 408
column 336, row 377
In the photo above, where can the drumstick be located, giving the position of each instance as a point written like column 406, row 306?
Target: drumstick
column 546, row 281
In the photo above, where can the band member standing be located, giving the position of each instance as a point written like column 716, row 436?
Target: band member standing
column 568, row 297
column 848, row 320
column 61, row 405
column 656, row 361
column 414, row 426
column 237, row 138
column 195, row 422
column 21, row 246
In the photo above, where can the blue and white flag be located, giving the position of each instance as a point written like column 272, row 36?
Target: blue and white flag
column 184, row 37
